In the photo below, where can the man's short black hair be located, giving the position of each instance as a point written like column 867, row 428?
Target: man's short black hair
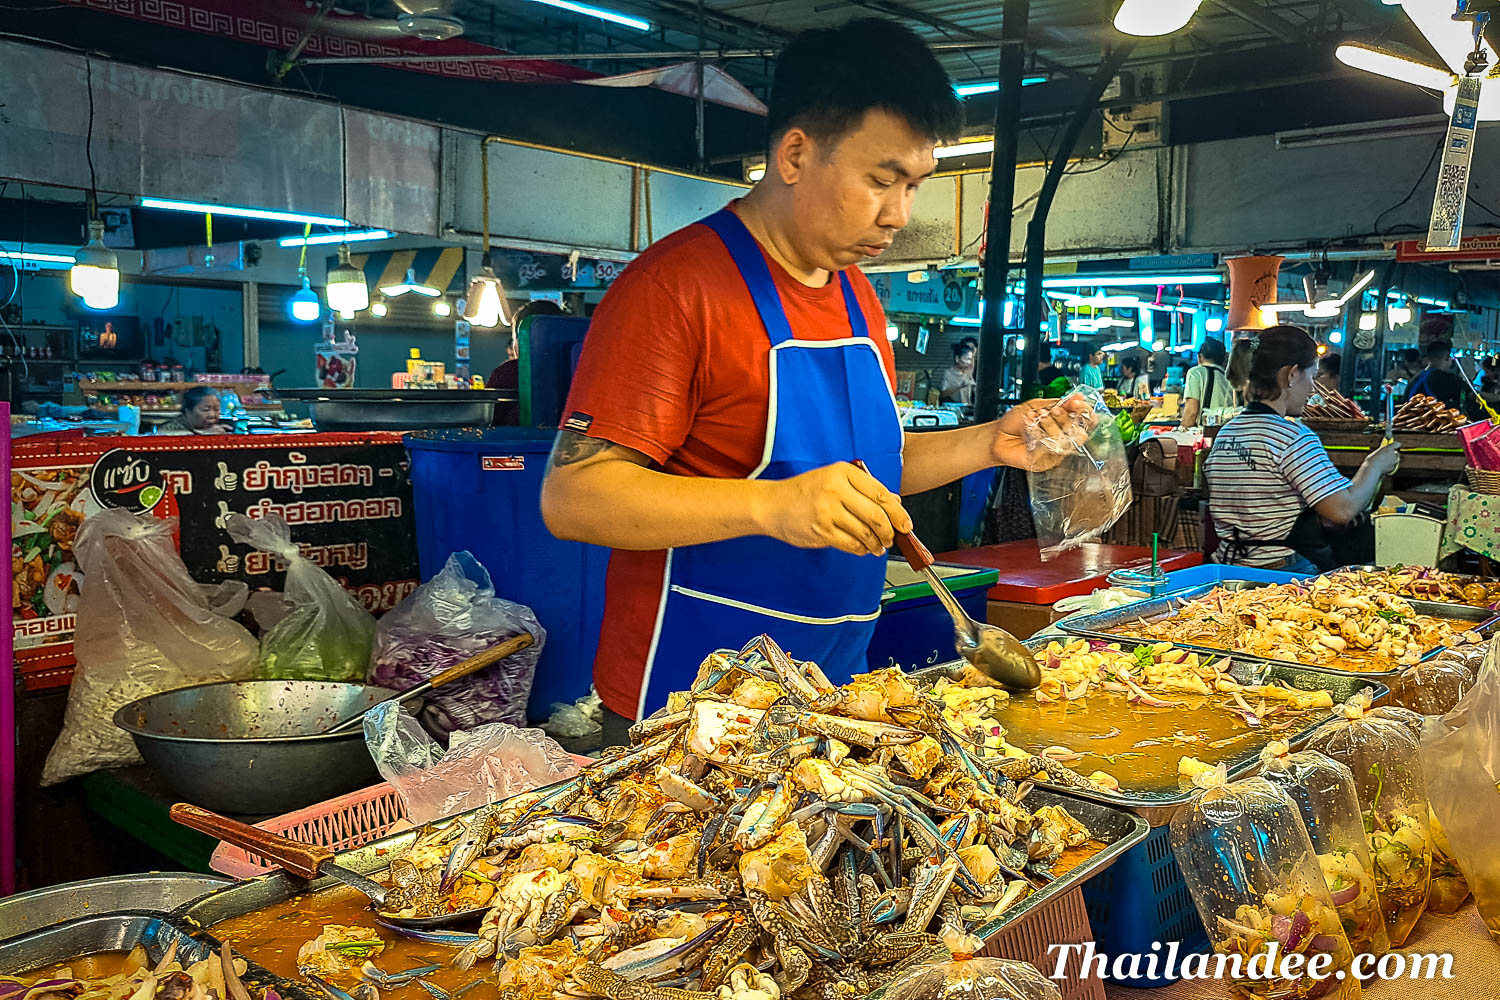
column 1438, row 350
column 1410, row 356
column 1212, row 352
column 826, row 79
column 962, row 345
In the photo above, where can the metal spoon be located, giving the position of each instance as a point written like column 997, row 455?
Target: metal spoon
column 306, row 861
column 992, row 651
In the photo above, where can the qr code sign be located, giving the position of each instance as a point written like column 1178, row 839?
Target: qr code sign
column 1452, row 188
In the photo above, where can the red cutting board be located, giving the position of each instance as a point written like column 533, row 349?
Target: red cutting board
column 1025, row 579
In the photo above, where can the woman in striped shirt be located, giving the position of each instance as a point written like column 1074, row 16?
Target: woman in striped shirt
column 1275, row 498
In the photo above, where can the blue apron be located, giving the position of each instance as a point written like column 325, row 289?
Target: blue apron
column 830, row 401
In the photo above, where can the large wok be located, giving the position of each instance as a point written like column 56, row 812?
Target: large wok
column 255, row 748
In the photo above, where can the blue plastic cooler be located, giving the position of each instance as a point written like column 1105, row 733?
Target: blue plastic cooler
column 480, row 490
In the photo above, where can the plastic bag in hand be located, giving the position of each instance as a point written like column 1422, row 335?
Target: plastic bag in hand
column 1461, row 758
column 1379, row 748
column 144, row 626
column 452, row 617
column 325, row 635
column 1252, row 872
column 481, row 766
column 1083, row 495
column 967, row 977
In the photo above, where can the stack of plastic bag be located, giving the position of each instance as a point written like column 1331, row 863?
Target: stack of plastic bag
column 144, row 627
column 966, row 977
column 452, row 617
column 325, row 635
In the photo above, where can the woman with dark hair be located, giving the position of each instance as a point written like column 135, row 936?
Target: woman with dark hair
column 1133, row 385
column 200, row 414
column 1275, row 499
column 958, row 380
column 1238, row 371
column 507, row 375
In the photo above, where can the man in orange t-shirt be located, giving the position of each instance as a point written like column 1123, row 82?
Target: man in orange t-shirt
column 738, row 369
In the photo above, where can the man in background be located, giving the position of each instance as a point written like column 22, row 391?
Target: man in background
column 1440, row 381
column 1093, row 371
column 1207, row 387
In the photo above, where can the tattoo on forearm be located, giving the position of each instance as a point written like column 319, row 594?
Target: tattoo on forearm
column 571, row 448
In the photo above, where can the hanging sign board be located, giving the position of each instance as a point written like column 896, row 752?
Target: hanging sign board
column 1469, row 248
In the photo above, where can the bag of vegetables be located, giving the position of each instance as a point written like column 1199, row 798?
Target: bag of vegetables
column 1379, row 748
column 1252, row 872
column 1323, row 790
column 325, row 635
column 1461, row 757
column 962, row 976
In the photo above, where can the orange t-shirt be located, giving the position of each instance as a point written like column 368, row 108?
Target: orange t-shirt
column 676, row 366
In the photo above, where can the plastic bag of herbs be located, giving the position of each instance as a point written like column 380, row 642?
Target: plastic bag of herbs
column 1256, row 881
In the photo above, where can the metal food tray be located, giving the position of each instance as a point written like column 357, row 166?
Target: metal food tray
column 1115, row 827
column 1098, row 625
column 1463, row 577
column 119, row 932
column 1158, row 807
column 148, row 891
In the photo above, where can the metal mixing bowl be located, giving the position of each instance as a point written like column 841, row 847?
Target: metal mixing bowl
column 253, row 748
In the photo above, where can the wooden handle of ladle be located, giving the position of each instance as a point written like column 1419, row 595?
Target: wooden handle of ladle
column 296, row 857
column 918, row 557
column 479, row 661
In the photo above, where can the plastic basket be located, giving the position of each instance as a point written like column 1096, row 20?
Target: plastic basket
column 1063, row 921
column 1142, row 900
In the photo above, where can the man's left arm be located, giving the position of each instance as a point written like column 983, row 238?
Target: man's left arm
column 935, row 458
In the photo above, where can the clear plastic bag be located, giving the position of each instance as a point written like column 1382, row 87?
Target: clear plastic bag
column 584, row 717
column 1082, row 496
column 1323, row 790
column 325, row 635
column 1434, row 686
column 1461, row 757
column 1380, row 750
column 965, row 977
column 144, row 626
column 452, row 617
column 1252, row 872
column 480, row 766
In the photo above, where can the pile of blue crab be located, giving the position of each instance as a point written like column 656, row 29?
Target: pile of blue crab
column 767, row 835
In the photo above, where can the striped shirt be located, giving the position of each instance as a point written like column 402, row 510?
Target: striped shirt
column 1263, row 471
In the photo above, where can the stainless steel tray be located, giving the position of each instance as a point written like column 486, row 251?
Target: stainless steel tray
column 1115, row 827
column 1158, row 807
column 120, row 932
column 153, row 891
column 1098, row 625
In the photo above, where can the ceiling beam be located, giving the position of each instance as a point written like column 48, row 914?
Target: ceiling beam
column 1251, row 12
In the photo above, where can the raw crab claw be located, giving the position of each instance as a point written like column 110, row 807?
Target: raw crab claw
column 746, row 982
column 858, row 732
column 394, row 980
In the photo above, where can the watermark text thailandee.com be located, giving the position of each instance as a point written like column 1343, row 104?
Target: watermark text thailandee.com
column 1166, row 962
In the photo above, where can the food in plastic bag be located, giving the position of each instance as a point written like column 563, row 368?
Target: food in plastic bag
column 1380, row 750
column 1081, row 497
column 965, row 977
column 1250, row 867
column 1323, row 790
column 480, row 766
column 325, row 635
column 452, row 617
column 584, row 717
column 1461, row 758
column 1434, row 686
column 1448, row 889
column 143, row 627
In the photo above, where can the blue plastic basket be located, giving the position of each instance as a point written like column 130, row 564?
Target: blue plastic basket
column 1142, row 899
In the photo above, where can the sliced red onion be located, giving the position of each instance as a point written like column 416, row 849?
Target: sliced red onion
column 1097, row 644
column 1301, row 924
column 1281, row 928
column 1053, row 661
column 1348, row 894
column 1323, row 942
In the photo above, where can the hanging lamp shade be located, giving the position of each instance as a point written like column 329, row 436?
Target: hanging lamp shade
column 345, row 288
column 485, row 303
column 1252, row 285
column 95, row 275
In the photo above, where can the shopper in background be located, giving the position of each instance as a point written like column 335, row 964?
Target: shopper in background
column 736, row 371
column 507, row 376
column 1050, row 373
column 1238, row 370
column 1407, row 367
column 1206, row 388
column 1133, row 385
column 1329, row 367
column 1093, row 371
column 1440, row 381
column 200, row 414
column 1489, row 376
column 1274, row 497
column 958, row 379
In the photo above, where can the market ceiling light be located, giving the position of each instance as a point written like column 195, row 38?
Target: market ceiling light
column 1368, row 321
column 15, row 256
column 305, row 305
column 345, row 288
column 975, row 89
column 205, row 208
column 1453, row 40
column 1154, row 17
column 968, row 148
column 754, row 174
column 442, row 308
column 1384, row 62
column 1214, row 324
column 95, row 275
column 378, row 309
column 1130, row 280
column 354, row 237
column 1336, row 337
column 1399, row 313
column 485, row 303
column 602, row 13
column 410, row 285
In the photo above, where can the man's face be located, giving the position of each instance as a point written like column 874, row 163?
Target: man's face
column 965, row 360
column 1097, row 358
column 854, row 193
